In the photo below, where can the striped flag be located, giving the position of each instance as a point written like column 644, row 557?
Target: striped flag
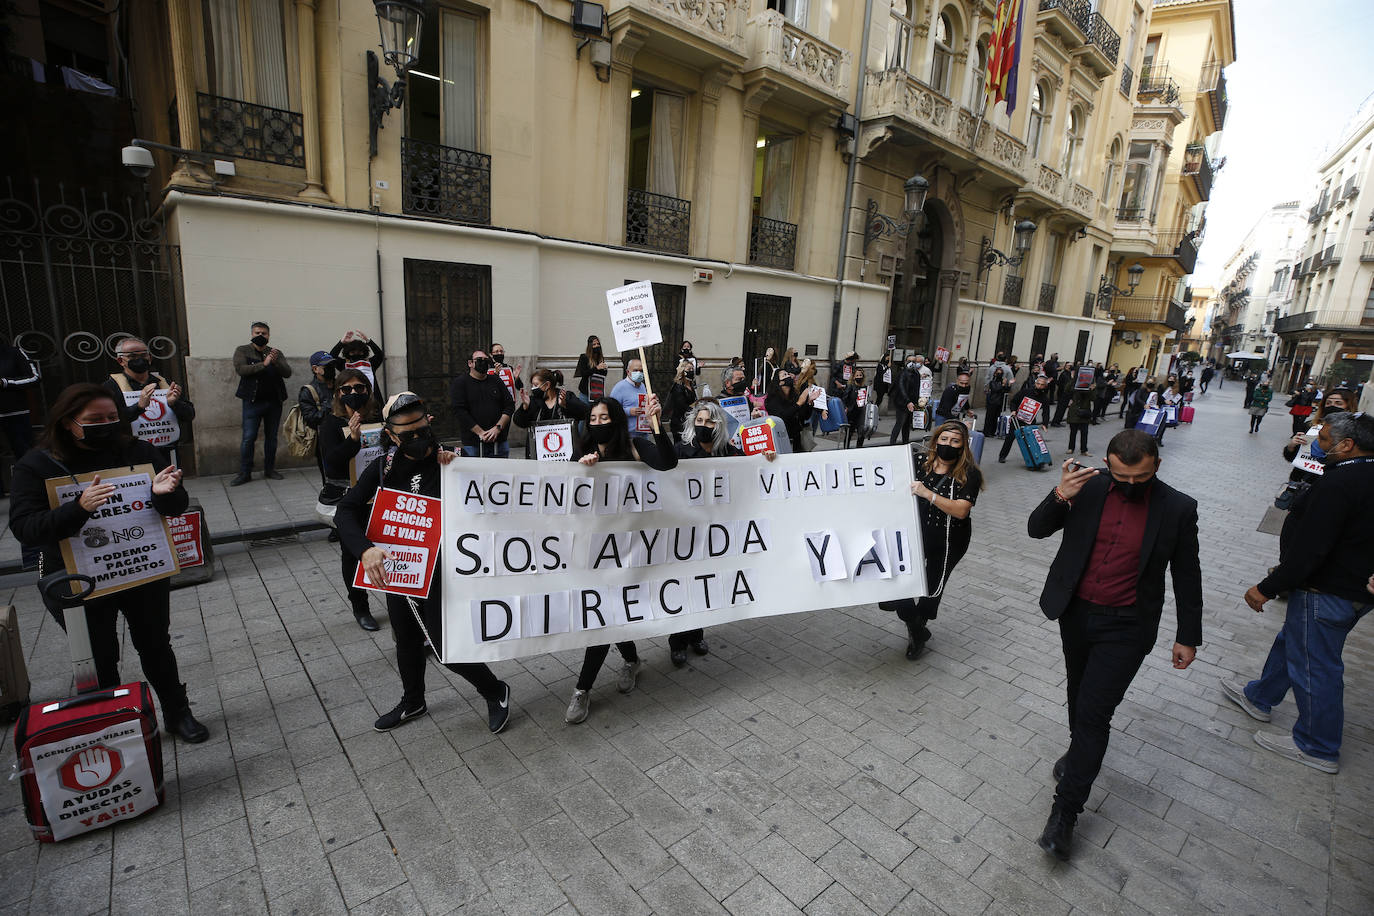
column 1004, row 54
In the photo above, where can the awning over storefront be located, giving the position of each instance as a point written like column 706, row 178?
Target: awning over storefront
column 1241, row 354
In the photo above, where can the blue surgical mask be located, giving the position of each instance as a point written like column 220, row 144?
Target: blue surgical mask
column 636, row 376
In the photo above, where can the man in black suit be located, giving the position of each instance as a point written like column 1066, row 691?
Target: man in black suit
column 1106, row 589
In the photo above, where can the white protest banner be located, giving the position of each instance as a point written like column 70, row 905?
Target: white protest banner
column 887, row 376
column 1304, row 460
column 544, row 557
column 1027, row 409
column 942, row 354
column 553, row 441
column 91, row 780
column 407, row 527
column 861, row 397
column 819, row 392
column 634, row 317
column 156, row 425
column 186, row 538
column 370, row 449
column 126, row 542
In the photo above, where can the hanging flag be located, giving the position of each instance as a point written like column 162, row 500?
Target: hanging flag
column 1004, row 54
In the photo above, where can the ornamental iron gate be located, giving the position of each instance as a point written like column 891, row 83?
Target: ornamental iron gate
column 766, row 319
column 448, row 315
column 80, row 270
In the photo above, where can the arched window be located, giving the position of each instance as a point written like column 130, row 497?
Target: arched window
column 1113, row 166
column 977, row 90
column 1073, row 142
column 941, row 61
column 1040, row 101
column 899, row 29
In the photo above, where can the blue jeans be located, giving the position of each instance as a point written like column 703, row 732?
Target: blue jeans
column 1306, row 657
column 487, row 450
column 256, row 414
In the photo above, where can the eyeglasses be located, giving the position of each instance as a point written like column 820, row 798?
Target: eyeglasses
column 354, row 389
column 410, row 434
column 134, row 354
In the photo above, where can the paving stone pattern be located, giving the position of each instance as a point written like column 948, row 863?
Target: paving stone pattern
column 803, row 765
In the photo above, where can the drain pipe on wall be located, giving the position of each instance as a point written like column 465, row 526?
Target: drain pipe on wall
column 849, row 184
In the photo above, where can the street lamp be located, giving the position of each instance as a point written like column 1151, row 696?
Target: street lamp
column 914, row 191
column 399, row 23
column 989, row 257
column 1105, row 290
column 879, row 225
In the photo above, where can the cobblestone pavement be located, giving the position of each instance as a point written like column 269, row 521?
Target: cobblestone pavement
column 803, row 765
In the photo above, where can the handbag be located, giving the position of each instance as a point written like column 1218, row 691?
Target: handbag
column 327, row 503
column 1290, row 494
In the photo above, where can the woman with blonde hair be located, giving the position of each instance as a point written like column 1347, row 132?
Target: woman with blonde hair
column 681, row 395
column 947, row 485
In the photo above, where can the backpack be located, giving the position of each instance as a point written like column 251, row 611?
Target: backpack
column 300, row 438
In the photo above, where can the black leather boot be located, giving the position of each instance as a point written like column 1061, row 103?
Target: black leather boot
column 365, row 619
column 1058, row 833
column 185, row 726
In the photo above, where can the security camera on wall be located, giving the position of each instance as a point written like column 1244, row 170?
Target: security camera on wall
column 137, row 160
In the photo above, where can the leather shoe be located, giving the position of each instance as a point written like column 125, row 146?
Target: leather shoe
column 240, row 480
column 679, row 657
column 366, row 621
column 186, row 727
column 1058, row 834
column 700, row 647
column 1058, row 769
column 272, row 475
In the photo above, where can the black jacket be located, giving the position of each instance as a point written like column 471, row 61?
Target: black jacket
column 257, row 378
column 480, row 402
column 1327, row 542
column 949, row 398
column 18, row 376
column 314, row 407
column 182, row 408
column 35, row 525
column 1170, row 540
column 573, row 408
column 336, row 448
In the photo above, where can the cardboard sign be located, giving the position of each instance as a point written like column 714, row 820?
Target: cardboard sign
column 553, row 441
column 861, row 397
column 1026, row 411
column 758, row 438
column 848, row 372
column 365, row 367
column 369, row 451
column 89, row 781
column 737, row 409
column 892, row 341
column 408, row 527
column 642, row 418
column 920, row 419
column 960, row 404
column 507, row 376
column 634, row 317
column 186, row 534
column 820, row 395
column 567, row 556
column 887, row 376
column 156, row 425
column 126, row 542
column 942, row 354
column 927, row 383
column 1086, row 375
column 1304, row 461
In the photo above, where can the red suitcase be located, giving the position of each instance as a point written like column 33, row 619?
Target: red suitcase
column 91, row 760
column 1185, row 414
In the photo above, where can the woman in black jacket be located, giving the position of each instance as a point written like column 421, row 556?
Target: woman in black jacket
column 341, row 437
column 791, row 408
column 591, row 369
column 84, row 434
column 853, row 410
column 995, row 401
column 681, row 396
column 607, row 438
column 549, row 402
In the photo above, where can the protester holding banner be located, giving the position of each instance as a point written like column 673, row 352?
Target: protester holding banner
column 607, row 438
column 591, row 369
column 341, row 437
column 84, row 435
column 995, row 400
column 1300, row 406
column 1259, row 405
column 410, row 464
column 947, row 485
column 136, row 391
column 483, row 406
column 1036, row 388
column 954, row 401
column 547, row 403
column 355, row 350
column 1340, row 399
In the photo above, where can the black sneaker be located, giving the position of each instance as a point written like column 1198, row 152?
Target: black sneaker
column 240, row 480
column 678, row 657
column 399, row 716
column 498, row 711
column 1057, row 837
column 700, row 647
column 1058, row 769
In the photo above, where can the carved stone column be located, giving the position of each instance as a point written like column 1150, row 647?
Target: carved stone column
column 702, row 186
column 310, row 109
column 179, row 24
column 756, row 95
column 807, row 217
column 329, row 77
column 623, row 52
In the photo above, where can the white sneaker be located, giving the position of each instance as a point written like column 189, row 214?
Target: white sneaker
column 1283, row 746
column 1235, row 692
column 628, row 676
column 578, row 707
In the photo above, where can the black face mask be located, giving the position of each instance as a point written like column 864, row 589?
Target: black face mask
column 259, row 341
column 961, row 389
column 705, row 435
column 686, row 351
column 1132, row 492
column 948, row 452
column 139, row 365
column 602, row 434
column 355, row 399
column 498, row 358
column 481, row 364
column 354, row 356
column 596, row 351
column 329, row 373
column 419, row 446
column 99, row 435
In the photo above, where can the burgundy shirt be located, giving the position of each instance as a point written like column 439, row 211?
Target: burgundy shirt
column 1114, row 567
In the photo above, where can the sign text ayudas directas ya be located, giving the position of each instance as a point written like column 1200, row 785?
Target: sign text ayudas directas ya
column 565, row 556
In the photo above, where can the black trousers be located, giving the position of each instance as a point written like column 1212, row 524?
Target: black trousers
column 596, row 656
column 1060, row 409
column 411, row 654
column 1255, row 422
column 1077, row 432
column 1126, row 393
column 147, row 611
column 901, row 424
column 357, row 597
column 854, row 430
column 1102, row 654
column 683, row 640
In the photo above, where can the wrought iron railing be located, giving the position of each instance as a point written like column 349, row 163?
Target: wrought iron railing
column 1126, row 77
column 1048, row 293
column 1198, row 164
column 1150, row 310
column 1289, row 323
column 772, row 243
column 1089, row 304
column 1080, row 12
column 1130, row 214
column 1011, row 292
column 445, row 182
column 657, row 221
column 1179, row 245
column 1212, row 83
column 1329, row 257
column 248, row 131
column 1156, row 85
column 1101, row 33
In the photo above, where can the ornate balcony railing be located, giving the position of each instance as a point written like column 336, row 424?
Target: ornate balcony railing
column 1367, row 252
column 1048, row 293
column 1011, row 292
column 1157, row 87
column 1078, row 12
column 1182, row 246
column 1290, row 323
column 249, row 131
column 1126, row 77
column 1101, row 33
column 657, row 221
column 445, row 182
column 1080, row 197
column 772, row 243
column 1197, row 164
column 1130, row 214
column 1212, row 84
column 778, row 44
column 1047, row 180
column 1150, row 310
column 1089, row 304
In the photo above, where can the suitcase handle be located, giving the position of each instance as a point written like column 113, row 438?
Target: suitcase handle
column 109, row 694
column 53, row 587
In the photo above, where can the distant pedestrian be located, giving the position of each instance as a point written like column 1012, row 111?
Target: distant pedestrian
column 591, row 370
column 1259, row 405
column 261, row 370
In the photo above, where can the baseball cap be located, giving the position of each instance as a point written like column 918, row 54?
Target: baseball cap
column 320, row 358
column 403, row 402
